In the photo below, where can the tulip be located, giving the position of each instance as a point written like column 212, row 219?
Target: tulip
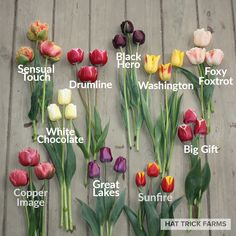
column 75, row 55
column 71, row 112
column 87, row 74
column 138, row 37
column 93, row 170
column 50, row 50
column 24, row 55
column 177, row 58
column 54, row 112
column 38, row 31
column 105, row 154
column 190, row 116
column 202, row 37
column 44, row 170
column 119, row 41
column 127, row 27
column 151, row 63
column 168, row 184
column 153, row 170
column 200, row 127
column 165, row 72
column 214, row 57
column 196, row 55
column 185, row 133
column 29, row 157
column 64, row 96
column 98, row 57
column 19, row 178
column 140, row 179
column 120, row 165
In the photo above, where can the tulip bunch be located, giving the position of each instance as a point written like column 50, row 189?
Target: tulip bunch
column 96, row 134
column 198, row 178
column 108, row 208
column 147, row 220
column 62, row 154
column 35, row 216
column 41, row 91
column 199, row 57
column 130, row 40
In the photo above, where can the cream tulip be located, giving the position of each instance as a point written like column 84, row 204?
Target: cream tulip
column 196, row 55
column 202, row 37
column 54, row 112
column 214, row 57
column 70, row 111
column 64, row 96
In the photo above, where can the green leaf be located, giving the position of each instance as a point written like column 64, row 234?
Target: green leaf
column 102, row 138
column 98, row 124
column 173, row 206
column 49, row 92
column 108, row 202
column 70, row 164
column 100, row 209
column 206, row 177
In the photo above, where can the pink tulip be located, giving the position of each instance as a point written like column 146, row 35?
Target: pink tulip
column 200, row 127
column 29, row 157
column 196, row 55
column 214, row 57
column 44, row 170
column 190, row 116
column 185, row 133
column 19, row 178
column 202, row 37
column 50, row 50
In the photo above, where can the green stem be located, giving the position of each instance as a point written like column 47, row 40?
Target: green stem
column 62, row 205
column 129, row 43
column 88, row 121
column 107, row 228
column 201, row 92
column 138, row 138
column 44, row 91
column 110, row 231
column 147, row 93
column 26, row 215
column 35, row 132
column 166, row 132
column 71, row 227
column 190, row 212
column 86, row 173
column 44, row 211
column 65, row 208
column 63, row 145
column 101, row 230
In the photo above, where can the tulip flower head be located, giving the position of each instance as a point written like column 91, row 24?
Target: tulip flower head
column 177, row 58
column 24, row 55
column 38, row 31
column 214, row 57
column 87, row 74
column 165, row 71
column 167, row 184
column 151, row 63
column 200, row 127
column 190, row 116
column 64, row 96
column 98, row 57
column 196, row 55
column 185, row 133
column 153, row 170
column 93, row 170
column 54, row 112
column 138, row 37
column 105, row 155
column 119, row 41
column 29, row 157
column 202, row 37
column 44, row 170
column 140, row 179
column 19, row 178
column 75, row 55
column 127, row 27
column 50, row 50
column 71, row 112
column 120, row 165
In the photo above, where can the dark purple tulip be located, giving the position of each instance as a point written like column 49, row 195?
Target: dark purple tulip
column 127, row 27
column 120, row 165
column 93, row 170
column 105, row 154
column 119, row 41
column 138, row 37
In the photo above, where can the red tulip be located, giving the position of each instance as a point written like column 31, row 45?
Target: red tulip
column 87, row 74
column 200, row 127
column 140, row 179
column 75, row 55
column 153, row 170
column 98, row 57
column 19, row 178
column 190, row 116
column 50, row 50
column 167, row 184
column 185, row 133
column 29, row 157
column 44, row 170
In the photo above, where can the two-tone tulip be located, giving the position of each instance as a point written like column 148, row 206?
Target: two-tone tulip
column 168, row 184
column 64, row 96
column 165, row 71
column 202, row 37
column 87, row 74
column 140, row 179
column 29, row 157
column 75, row 55
column 214, row 57
column 151, row 63
column 200, row 127
column 50, row 50
column 93, row 170
column 24, row 55
column 185, row 133
column 38, row 31
column 190, row 116
column 44, row 170
column 105, row 155
column 138, row 37
column 98, row 57
column 127, row 27
column 153, row 170
column 177, row 58
column 19, row 178
column 119, row 41
column 196, row 55
column 54, row 112
column 71, row 112
column 120, row 165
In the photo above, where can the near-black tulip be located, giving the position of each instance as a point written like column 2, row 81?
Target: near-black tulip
column 119, row 41
column 138, row 37
column 127, row 27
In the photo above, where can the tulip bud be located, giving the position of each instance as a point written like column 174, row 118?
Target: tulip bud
column 29, row 157
column 44, row 170
column 19, row 178
column 71, row 112
column 214, row 57
column 50, row 50
column 24, row 55
column 138, row 37
column 200, row 127
column 120, row 165
column 54, row 112
column 165, row 71
column 75, row 55
column 196, row 55
column 153, row 170
column 38, row 31
column 202, row 37
column 167, row 184
column 140, row 179
column 119, row 41
column 151, row 63
column 185, row 133
column 64, row 96
column 177, row 58
column 93, row 170
column 105, row 154
column 98, row 57
column 87, row 74
column 127, row 27
column 190, row 116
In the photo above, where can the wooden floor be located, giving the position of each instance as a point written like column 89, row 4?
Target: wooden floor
column 91, row 24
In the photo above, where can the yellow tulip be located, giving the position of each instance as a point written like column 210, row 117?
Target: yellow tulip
column 177, row 58
column 151, row 63
column 64, row 96
column 70, row 111
column 165, row 72
column 54, row 112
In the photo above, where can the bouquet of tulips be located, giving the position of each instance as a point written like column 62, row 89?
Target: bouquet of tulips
column 108, row 208
column 35, row 204
column 41, row 86
column 150, row 212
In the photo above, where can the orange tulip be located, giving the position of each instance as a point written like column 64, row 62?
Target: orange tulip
column 140, row 179
column 167, row 184
column 153, row 170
